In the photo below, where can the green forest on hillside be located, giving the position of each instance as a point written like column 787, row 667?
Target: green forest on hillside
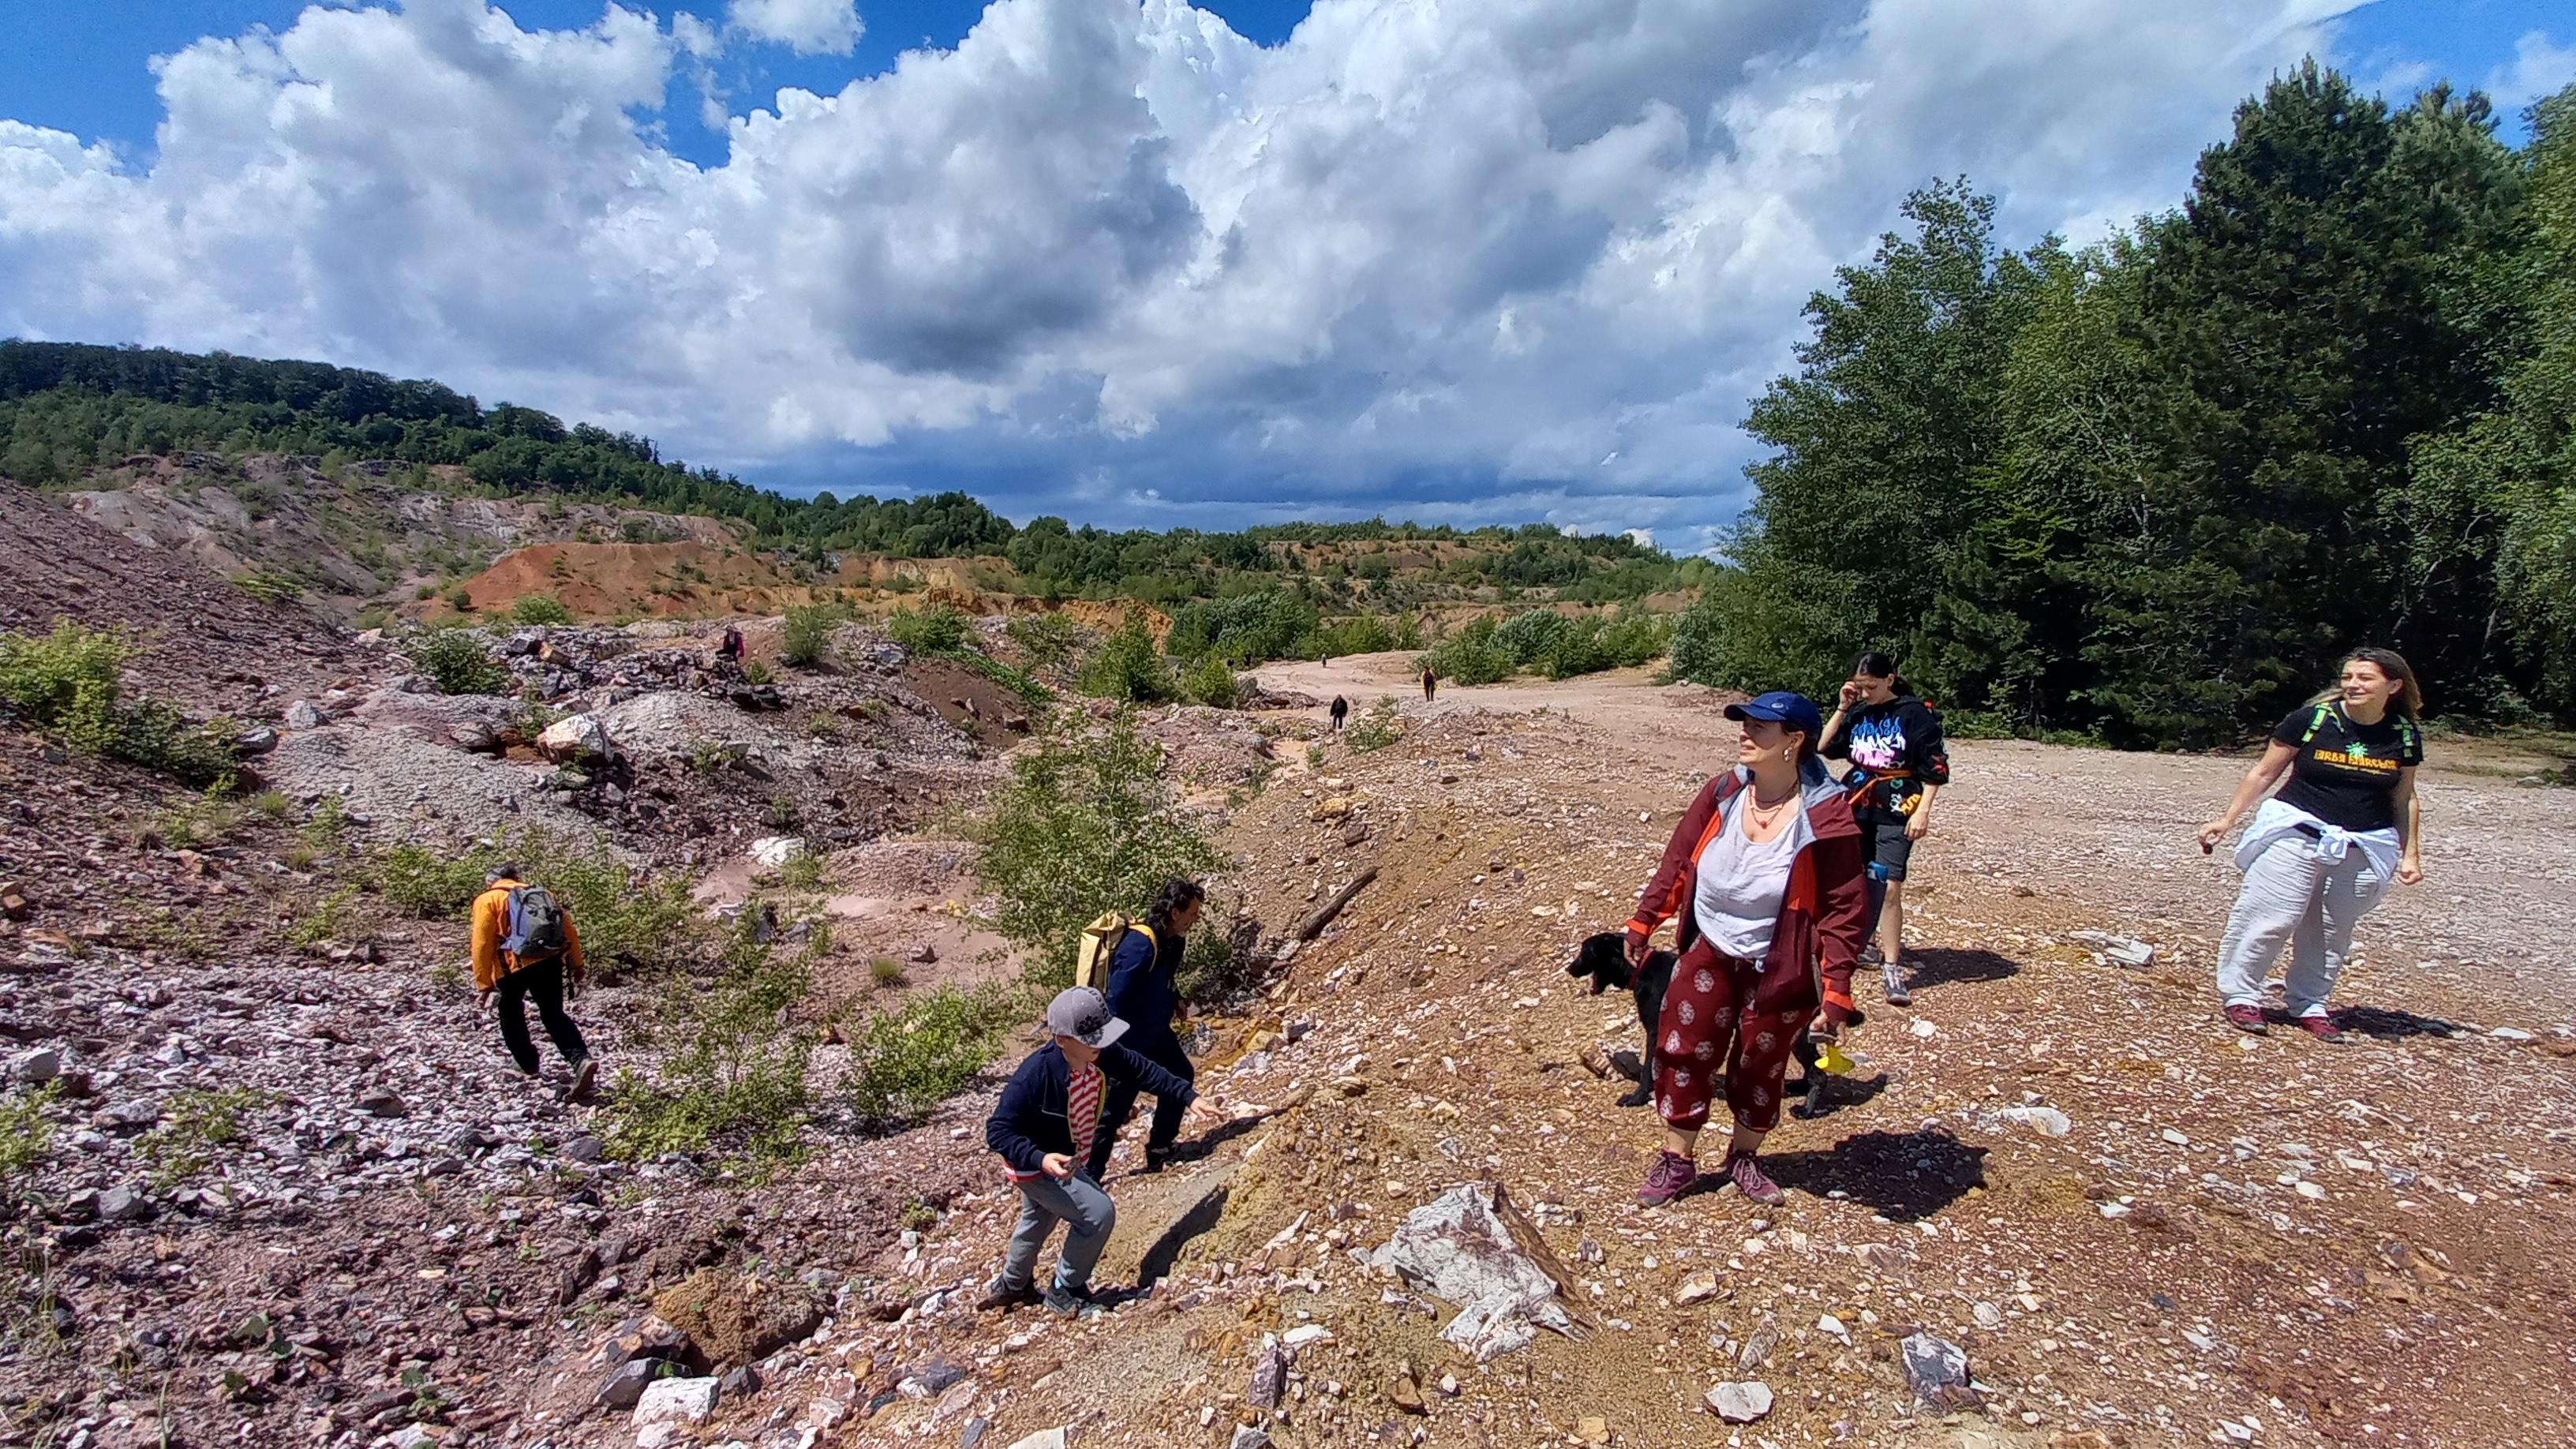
column 69, row 409
column 2150, row 490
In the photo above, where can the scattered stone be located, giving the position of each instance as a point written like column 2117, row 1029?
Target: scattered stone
column 675, row 1401
column 2046, row 1121
column 301, row 715
column 626, row 1383
column 1758, row 1346
column 124, row 1205
column 741, row 1383
column 37, row 1067
column 1248, row 1437
column 585, row 1148
column 1405, row 1395
column 1697, row 1288
column 79, row 1207
column 135, row 1115
column 381, row 1103
column 2510, row 1033
column 1937, row 1369
column 1042, row 1439
column 1592, row 1429
column 1471, row 1247
column 13, row 902
column 575, row 737
column 1269, row 1374
column 1739, row 1403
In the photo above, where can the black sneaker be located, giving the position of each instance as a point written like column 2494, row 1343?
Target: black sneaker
column 1001, row 1295
column 1071, row 1302
column 583, row 1072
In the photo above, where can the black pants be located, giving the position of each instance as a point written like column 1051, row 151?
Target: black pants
column 542, row 983
column 1164, row 1050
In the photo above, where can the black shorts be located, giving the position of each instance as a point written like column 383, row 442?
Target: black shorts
column 1882, row 834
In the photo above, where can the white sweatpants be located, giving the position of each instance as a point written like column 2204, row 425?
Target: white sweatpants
column 2293, row 896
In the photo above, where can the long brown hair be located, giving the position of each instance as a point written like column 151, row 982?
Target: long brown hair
column 2410, row 697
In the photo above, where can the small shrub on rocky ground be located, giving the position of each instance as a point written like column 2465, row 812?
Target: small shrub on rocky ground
column 1085, row 823
column 931, row 629
column 26, row 1134
column 910, row 1059
column 1045, row 640
column 801, row 871
column 271, row 803
column 455, row 661
column 1213, row 970
column 67, row 685
column 808, row 633
column 339, row 916
column 1376, row 727
column 1130, row 666
column 540, row 609
column 885, row 971
column 195, row 1121
column 1469, row 656
column 1211, row 682
column 731, row 1078
column 198, row 820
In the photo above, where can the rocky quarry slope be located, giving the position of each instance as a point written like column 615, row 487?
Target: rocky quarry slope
column 282, row 1187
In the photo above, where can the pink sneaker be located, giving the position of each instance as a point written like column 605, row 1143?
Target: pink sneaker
column 1665, row 1180
column 1752, row 1181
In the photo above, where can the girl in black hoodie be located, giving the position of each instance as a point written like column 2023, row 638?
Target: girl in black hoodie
column 1893, row 741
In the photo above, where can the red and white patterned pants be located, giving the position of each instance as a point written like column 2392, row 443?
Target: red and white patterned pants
column 1709, row 1033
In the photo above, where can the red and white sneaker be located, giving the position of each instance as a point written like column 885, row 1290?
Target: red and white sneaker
column 1752, row 1181
column 2320, row 1024
column 2246, row 1018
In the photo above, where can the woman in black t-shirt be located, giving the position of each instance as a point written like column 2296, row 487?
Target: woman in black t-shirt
column 2319, row 854
column 1899, row 764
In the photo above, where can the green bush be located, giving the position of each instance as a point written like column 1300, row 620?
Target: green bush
column 1245, row 629
column 1046, row 639
column 194, row 1123
column 1084, row 824
column 626, row 916
column 1376, row 729
column 26, row 1135
column 1211, row 973
column 1032, row 694
column 1364, row 634
column 456, row 661
column 1211, row 682
column 1129, row 667
column 906, row 1061
column 1527, row 638
column 461, row 599
column 931, row 629
column 808, row 633
column 1469, row 656
column 733, row 1075
column 540, row 609
column 66, row 684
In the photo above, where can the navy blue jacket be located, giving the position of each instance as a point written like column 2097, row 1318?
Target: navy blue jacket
column 1142, row 988
column 1029, row 1122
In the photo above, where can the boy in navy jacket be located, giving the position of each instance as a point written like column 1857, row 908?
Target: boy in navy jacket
column 1044, row 1127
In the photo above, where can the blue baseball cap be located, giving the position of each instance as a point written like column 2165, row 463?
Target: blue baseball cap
column 1784, row 706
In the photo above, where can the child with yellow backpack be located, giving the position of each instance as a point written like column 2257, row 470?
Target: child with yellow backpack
column 1135, row 964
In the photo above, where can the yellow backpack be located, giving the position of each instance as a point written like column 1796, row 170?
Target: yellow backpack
column 1099, row 941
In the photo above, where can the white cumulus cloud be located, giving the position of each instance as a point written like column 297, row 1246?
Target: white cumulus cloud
column 809, row 27
column 1512, row 259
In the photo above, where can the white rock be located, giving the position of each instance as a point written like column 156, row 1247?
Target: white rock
column 2046, row 1121
column 668, row 1401
column 1042, row 1439
column 773, row 850
column 1989, row 1316
column 1922, row 1026
column 1696, row 1288
column 2176, row 1138
column 2510, row 1033
column 1739, row 1403
column 575, row 737
column 1828, row 1323
column 1306, row 1333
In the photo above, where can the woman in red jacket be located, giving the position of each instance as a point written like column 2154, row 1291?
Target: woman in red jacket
column 1765, row 876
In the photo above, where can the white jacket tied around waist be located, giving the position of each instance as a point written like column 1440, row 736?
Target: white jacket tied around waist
column 2276, row 819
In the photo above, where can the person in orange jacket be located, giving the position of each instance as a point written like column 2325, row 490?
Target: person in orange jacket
column 525, row 948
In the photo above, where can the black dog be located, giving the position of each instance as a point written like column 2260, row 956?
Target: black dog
column 1604, row 958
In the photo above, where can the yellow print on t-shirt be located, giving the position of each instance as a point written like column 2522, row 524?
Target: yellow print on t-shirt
column 2354, row 757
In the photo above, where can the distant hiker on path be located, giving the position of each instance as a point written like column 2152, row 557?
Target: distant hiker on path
column 1341, row 709
column 1764, row 880
column 1898, row 765
column 1144, row 989
column 2320, row 853
column 1430, row 684
column 1044, row 1127
column 523, row 941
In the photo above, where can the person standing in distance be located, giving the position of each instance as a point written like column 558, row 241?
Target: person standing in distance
column 2320, row 853
column 1899, row 765
column 526, row 948
column 1144, row 989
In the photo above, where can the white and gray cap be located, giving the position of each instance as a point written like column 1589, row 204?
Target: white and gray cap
column 1082, row 1013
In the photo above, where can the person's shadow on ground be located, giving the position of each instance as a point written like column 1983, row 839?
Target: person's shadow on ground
column 2384, row 1022
column 1936, row 966
column 1903, row 1176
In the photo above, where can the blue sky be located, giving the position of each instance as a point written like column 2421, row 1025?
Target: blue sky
column 1120, row 260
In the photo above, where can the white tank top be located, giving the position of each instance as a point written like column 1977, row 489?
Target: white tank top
column 1741, row 883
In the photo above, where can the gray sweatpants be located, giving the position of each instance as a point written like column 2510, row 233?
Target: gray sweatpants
column 1084, row 1208
column 2296, row 898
